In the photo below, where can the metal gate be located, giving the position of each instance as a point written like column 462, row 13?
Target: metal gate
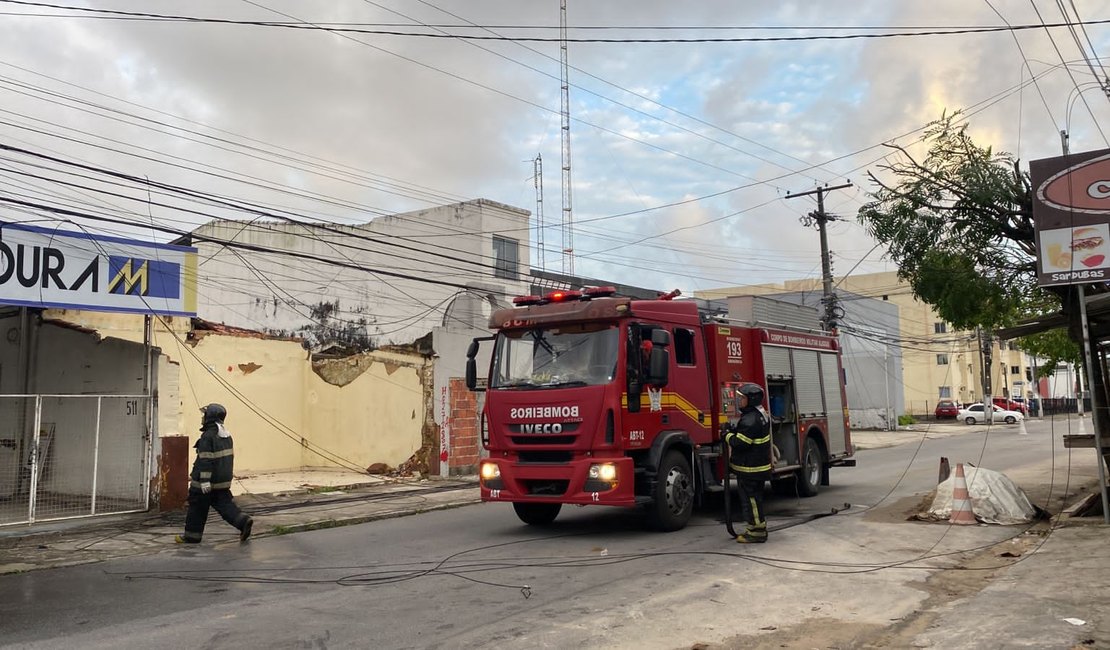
column 67, row 456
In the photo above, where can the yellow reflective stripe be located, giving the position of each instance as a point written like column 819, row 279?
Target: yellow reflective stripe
column 750, row 441
column 205, row 475
column 215, row 454
column 751, row 470
column 223, row 486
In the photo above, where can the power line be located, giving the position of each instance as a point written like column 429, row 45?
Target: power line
column 538, row 39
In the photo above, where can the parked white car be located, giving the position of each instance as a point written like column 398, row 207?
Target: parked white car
column 973, row 414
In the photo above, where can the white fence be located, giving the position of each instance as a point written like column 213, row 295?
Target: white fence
column 66, row 456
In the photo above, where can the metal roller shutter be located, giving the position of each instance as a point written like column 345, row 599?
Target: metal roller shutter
column 830, row 381
column 807, row 381
column 776, row 361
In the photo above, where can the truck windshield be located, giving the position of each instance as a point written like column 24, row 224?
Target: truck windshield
column 577, row 355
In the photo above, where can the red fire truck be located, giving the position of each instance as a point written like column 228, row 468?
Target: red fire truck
column 595, row 399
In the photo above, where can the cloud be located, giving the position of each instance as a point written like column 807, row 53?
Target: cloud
column 463, row 120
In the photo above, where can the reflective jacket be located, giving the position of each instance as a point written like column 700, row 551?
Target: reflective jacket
column 215, row 458
column 749, row 441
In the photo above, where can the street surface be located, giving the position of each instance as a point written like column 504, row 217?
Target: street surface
column 476, row 577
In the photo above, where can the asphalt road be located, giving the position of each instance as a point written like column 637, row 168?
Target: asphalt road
column 476, row 577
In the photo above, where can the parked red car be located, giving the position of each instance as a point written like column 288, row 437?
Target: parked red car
column 1011, row 405
column 946, row 408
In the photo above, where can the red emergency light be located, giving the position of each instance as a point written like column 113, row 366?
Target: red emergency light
column 599, row 292
column 524, row 301
column 563, row 296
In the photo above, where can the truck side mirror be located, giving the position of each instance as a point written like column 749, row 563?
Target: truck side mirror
column 635, row 390
column 660, row 338
column 472, row 374
column 472, row 365
column 659, row 366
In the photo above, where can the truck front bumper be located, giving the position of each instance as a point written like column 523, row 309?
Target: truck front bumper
column 505, row 479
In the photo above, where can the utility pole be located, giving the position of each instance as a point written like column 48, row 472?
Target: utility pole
column 985, row 344
column 832, row 312
column 537, row 180
column 568, row 213
column 1090, row 384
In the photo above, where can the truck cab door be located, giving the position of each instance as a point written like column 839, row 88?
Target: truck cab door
column 690, row 383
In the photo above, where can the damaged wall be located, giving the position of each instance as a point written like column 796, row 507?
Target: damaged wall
column 284, row 415
column 364, row 409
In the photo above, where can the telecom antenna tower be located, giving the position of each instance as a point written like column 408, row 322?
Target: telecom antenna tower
column 537, row 179
column 564, row 78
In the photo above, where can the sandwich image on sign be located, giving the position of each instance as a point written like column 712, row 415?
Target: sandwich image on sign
column 1087, row 247
column 1075, row 249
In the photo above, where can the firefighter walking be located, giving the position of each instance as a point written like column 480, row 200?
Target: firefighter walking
column 749, row 441
column 210, row 480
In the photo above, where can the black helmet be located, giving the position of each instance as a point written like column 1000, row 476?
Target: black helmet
column 754, row 393
column 213, row 413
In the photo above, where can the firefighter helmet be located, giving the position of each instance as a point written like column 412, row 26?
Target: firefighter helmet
column 214, row 413
column 754, row 393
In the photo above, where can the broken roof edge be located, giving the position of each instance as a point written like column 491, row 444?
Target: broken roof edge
column 204, row 327
column 185, row 240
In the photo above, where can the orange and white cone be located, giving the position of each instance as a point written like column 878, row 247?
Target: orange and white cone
column 961, row 500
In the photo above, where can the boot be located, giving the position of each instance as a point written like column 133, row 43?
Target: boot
column 245, row 532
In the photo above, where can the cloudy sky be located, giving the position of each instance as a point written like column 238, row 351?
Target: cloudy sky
column 342, row 126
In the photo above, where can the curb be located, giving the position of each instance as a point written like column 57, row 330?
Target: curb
column 354, row 521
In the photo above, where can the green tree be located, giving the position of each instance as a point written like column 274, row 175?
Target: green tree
column 958, row 221
column 959, row 225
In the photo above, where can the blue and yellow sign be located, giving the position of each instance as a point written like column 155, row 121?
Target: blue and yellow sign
column 45, row 267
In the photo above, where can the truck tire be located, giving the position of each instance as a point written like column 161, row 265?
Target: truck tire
column 537, row 514
column 673, row 498
column 809, row 476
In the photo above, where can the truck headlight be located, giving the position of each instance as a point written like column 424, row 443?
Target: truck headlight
column 603, row 471
column 490, row 471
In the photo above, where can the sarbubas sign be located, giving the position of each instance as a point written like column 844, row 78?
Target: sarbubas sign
column 45, row 267
column 1071, row 217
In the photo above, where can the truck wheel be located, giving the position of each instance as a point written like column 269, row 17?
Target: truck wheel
column 809, row 476
column 785, row 487
column 674, row 493
column 537, row 514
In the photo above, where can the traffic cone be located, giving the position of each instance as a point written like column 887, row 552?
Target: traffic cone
column 961, row 500
column 1021, row 428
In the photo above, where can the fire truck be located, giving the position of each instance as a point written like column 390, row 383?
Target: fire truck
column 598, row 399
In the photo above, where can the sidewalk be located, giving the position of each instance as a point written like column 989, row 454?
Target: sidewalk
column 280, row 503
column 875, row 439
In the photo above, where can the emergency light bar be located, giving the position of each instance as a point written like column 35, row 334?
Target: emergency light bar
column 562, row 296
column 565, row 295
column 599, row 292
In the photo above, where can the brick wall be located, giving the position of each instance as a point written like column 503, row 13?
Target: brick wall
column 463, row 433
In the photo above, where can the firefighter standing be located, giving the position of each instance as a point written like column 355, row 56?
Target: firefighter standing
column 210, row 480
column 749, row 441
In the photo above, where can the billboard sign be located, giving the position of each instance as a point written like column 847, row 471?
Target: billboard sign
column 1071, row 216
column 48, row 267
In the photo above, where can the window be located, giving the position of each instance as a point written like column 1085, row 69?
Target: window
column 940, row 328
column 1015, row 370
column 683, row 347
column 506, row 258
column 1011, row 346
column 942, row 359
column 945, row 392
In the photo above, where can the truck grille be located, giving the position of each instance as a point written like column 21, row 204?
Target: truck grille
column 545, row 487
column 542, row 440
column 545, row 456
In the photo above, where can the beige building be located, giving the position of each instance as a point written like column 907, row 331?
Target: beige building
column 938, row 362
